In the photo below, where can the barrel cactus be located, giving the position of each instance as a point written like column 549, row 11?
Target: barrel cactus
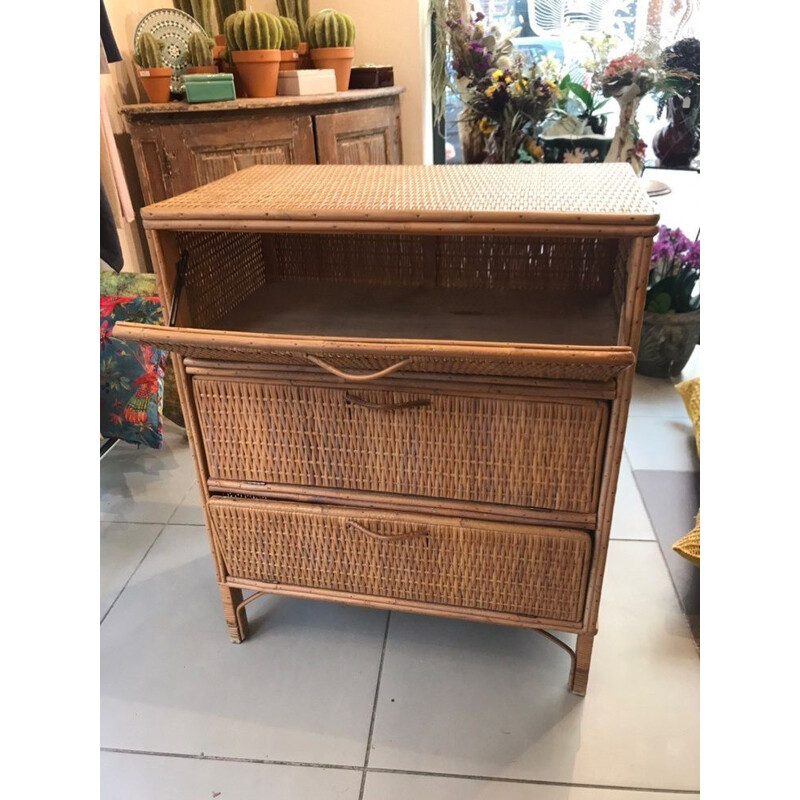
column 148, row 52
column 331, row 28
column 291, row 33
column 200, row 52
column 296, row 10
column 253, row 30
column 183, row 5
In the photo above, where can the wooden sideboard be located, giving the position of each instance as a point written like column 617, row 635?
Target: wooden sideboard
column 179, row 146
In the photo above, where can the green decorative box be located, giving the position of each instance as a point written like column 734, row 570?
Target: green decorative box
column 209, row 88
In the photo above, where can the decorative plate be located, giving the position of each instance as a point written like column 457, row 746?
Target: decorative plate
column 173, row 27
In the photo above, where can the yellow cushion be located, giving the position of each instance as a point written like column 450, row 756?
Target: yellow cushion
column 689, row 545
column 690, row 392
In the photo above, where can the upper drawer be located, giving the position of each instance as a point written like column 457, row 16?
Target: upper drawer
column 359, row 360
column 531, row 453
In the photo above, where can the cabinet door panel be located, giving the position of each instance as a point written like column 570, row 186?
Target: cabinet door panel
column 205, row 151
column 371, row 136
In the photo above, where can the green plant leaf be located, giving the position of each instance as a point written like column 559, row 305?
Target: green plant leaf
column 582, row 94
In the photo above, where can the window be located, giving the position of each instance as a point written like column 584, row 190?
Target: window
column 555, row 27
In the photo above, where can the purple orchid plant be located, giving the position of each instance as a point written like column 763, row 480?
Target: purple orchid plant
column 674, row 273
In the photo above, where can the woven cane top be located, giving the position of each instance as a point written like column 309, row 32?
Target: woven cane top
column 574, row 194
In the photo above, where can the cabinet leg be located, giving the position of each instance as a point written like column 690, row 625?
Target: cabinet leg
column 237, row 624
column 579, row 675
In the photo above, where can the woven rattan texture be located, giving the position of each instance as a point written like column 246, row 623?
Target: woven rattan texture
column 535, row 572
column 516, row 452
column 423, row 364
column 573, row 192
column 223, row 270
column 489, row 262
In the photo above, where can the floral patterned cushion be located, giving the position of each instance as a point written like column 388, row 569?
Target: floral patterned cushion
column 131, row 375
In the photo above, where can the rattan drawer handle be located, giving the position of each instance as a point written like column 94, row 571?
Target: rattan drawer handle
column 349, row 376
column 385, row 537
column 357, row 401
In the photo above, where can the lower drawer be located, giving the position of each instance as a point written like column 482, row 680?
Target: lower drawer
column 519, row 569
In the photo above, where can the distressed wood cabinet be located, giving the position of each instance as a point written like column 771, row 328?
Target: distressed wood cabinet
column 179, row 146
column 406, row 387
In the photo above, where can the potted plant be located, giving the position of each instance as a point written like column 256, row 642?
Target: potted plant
column 679, row 142
column 331, row 36
column 291, row 41
column 467, row 50
column 628, row 79
column 509, row 107
column 671, row 323
column 576, row 131
column 154, row 75
column 254, row 40
column 298, row 11
column 201, row 55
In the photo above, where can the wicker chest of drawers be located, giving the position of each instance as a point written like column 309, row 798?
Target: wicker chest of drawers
column 407, row 387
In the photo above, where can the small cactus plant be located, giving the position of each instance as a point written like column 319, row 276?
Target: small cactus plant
column 148, row 52
column 200, row 50
column 291, row 33
column 253, row 30
column 296, row 10
column 330, row 28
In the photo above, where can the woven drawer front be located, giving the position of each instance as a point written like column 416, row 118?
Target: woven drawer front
column 518, row 569
column 529, row 453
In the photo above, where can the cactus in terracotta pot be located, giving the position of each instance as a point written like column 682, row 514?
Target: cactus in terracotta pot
column 154, row 75
column 201, row 54
column 330, row 28
column 291, row 41
column 331, row 36
column 254, row 39
column 148, row 52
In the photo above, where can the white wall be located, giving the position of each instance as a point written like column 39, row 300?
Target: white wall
column 387, row 32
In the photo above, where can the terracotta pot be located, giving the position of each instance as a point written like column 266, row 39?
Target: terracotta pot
column 667, row 343
column 289, row 60
column 209, row 70
column 339, row 59
column 219, row 46
column 156, row 83
column 258, row 70
column 678, row 143
column 304, row 58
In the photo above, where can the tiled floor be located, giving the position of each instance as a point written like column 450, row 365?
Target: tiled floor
column 327, row 701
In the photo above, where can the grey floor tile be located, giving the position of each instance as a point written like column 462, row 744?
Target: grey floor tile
column 189, row 511
column 661, row 443
column 127, row 776
column 389, row 786
column 672, row 500
column 471, row 699
column 301, row 688
column 139, row 484
column 630, row 520
column 122, row 547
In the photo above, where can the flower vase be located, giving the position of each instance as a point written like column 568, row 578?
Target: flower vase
column 623, row 145
column 667, row 343
column 473, row 142
column 679, row 142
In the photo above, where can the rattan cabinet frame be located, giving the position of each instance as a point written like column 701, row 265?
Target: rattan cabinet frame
column 469, row 475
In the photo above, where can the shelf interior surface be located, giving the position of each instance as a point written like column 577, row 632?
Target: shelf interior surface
column 322, row 308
